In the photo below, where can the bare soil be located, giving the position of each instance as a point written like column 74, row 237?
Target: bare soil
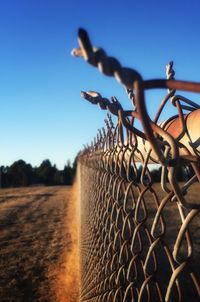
column 38, row 245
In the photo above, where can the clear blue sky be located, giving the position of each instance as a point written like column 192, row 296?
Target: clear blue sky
column 42, row 114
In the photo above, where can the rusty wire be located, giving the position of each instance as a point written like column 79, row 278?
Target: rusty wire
column 139, row 238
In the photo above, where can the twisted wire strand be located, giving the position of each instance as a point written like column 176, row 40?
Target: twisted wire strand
column 170, row 73
column 112, row 67
column 131, row 79
column 138, row 239
column 115, row 220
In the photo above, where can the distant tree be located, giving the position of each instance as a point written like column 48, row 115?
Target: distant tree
column 156, row 175
column 74, row 167
column 3, row 177
column 46, row 172
column 58, row 178
column 189, row 172
column 19, row 174
column 68, row 174
column 138, row 173
column 181, row 173
column 22, row 174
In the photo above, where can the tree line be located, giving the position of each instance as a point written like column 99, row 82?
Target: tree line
column 22, row 174
column 183, row 173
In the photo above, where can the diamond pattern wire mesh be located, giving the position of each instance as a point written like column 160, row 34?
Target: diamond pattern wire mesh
column 135, row 238
column 140, row 238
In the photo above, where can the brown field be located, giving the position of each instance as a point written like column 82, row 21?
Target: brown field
column 38, row 242
column 38, row 245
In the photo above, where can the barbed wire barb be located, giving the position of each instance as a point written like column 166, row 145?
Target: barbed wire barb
column 139, row 192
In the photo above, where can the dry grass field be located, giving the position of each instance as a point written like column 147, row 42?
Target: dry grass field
column 38, row 242
column 38, row 252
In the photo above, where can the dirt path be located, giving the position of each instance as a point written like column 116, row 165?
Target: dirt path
column 35, row 245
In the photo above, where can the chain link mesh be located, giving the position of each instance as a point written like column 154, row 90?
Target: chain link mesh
column 140, row 238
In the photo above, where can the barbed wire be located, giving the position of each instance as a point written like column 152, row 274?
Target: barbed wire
column 139, row 238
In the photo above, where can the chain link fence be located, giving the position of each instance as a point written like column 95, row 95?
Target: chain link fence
column 140, row 229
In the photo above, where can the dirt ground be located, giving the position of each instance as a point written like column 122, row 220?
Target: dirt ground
column 38, row 245
column 38, row 242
